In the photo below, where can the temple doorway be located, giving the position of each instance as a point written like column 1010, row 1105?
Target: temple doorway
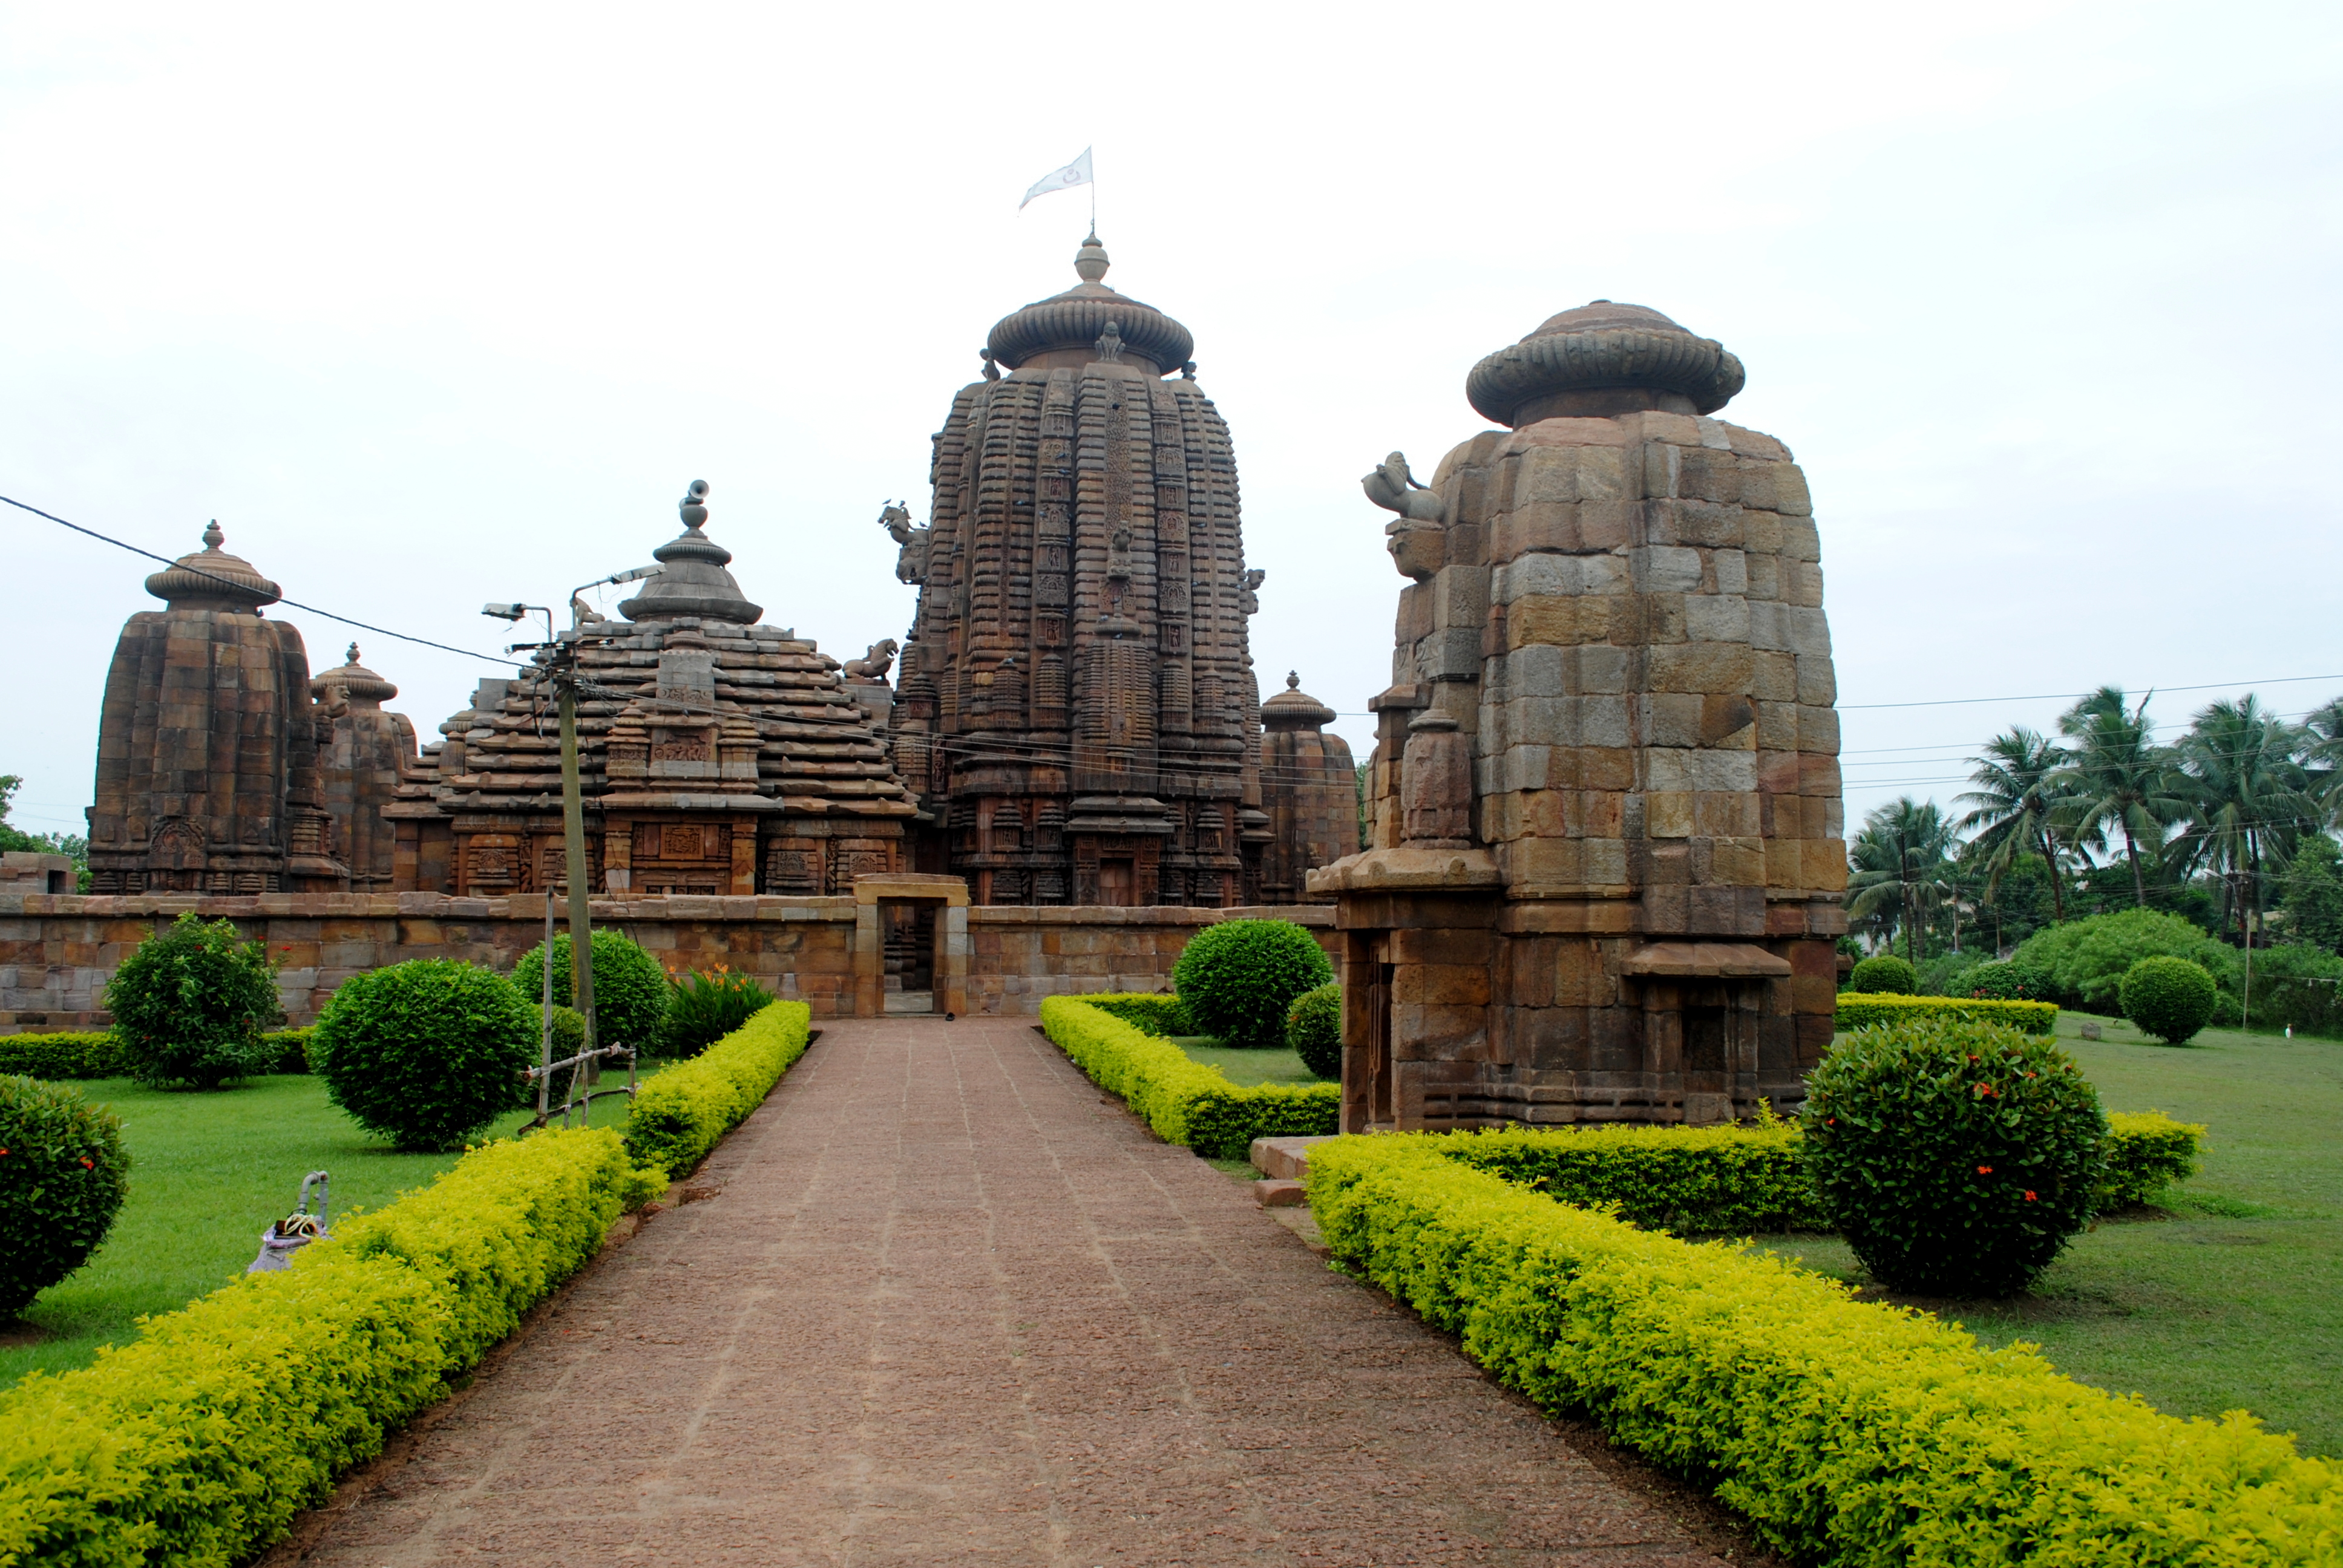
column 907, row 930
column 1118, row 882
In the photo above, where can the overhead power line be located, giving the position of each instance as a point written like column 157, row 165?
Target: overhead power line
column 246, row 588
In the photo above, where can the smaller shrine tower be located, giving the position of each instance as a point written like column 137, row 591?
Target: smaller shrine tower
column 363, row 752
column 1310, row 788
column 207, row 752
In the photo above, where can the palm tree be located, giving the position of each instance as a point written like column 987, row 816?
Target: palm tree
column 2116, row 776
column 2019, row 789
column 2322, row 754
column 2248, row 797
column 1898, row 863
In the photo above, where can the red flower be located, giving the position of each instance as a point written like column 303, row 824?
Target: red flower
column 1985, row 1170
column 2029, row 1195
column 4, row 1154
column 87, row 1164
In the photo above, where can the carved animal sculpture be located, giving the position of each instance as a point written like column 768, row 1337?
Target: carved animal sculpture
column 1395, row 490
column 897, row 520
column 873, row 665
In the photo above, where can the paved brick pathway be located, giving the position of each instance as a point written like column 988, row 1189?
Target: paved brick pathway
column 951, row 1305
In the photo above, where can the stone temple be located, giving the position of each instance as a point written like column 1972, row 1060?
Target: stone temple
column 1606, row 871
column 206, row 749
column 1076, row 709
column 718, row 757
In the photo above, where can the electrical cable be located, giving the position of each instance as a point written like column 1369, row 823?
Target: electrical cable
column 246, row 587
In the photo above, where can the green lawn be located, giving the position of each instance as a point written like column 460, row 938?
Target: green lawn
column 2231, row 1299
column 207, row 1172
column 1245, row 1069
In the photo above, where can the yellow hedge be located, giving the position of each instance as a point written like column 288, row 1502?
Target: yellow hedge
column 682, row 1112
column 1181, row 1099
column 1848, row 1433
column 1858, row 1009
column 196, row 1442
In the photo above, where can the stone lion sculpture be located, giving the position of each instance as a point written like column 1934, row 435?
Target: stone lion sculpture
column 875, row 663
column 1395, row 490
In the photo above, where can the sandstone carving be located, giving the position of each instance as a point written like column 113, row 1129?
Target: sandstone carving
column 1391, row 487
column 875, row 662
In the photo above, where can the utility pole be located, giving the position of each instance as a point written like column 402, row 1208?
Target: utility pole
column 573, row 833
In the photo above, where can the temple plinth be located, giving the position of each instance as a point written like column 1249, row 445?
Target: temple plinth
column 1607, row 866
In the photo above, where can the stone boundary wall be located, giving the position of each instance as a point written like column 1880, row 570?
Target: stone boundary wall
column 59, row 950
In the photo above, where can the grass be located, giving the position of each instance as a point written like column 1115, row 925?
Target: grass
column 207, row 1172
column 1245, row 1069
column 2229, row 1297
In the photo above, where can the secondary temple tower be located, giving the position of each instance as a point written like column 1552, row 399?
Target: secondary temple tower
column 207, row 750
column 1076, row 707
column 718, row 757
column 1607, row 866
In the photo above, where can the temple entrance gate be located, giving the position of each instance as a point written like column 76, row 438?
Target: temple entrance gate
column 915, row 929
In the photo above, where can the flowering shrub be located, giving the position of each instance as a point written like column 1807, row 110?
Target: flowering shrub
column 191, row 1005
column 703, row 1007
column 2003, row 980
column 1957, row 1158
column 63, row 1174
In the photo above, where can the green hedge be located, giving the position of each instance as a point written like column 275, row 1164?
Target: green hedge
column 1692, row 1181
column 2147, row 1152
column 80, row 1053
column 1752, row 1180
column 1150, row 1015
column 1847, row 1433
column 199, row 1441
column 1858, row 1009
column 1183, row 1099
column 682, row 1110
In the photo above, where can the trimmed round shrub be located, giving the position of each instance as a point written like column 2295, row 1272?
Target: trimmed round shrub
column 1884, row 974
column 702, row 1009
column 1238, row 978
column 1314, row 1030
column 425, row 1053
column 1957, row 1158
column 63, row 1175
column 630, row 988
column 2169, row 998
column 2002, row 980
column 191, row 1005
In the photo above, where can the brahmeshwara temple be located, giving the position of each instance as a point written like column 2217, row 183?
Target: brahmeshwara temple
column 1607, row 868
column 1603, row 869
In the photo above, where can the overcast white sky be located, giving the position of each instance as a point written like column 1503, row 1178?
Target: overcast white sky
column 431, row 306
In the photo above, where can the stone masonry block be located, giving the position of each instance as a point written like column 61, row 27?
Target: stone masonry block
column 1802, row 583
column 1601, row 671
column 1668, row 814
column 1768, row 632
column 1670, row 718
column 1555, row 574
column 1817, row 682
column 1818, row 730
column 1809, row 633
column 1761, row 535
column 1702, row 667
column 1536, row 670
column 1730, row 568
column 1764, row 571
column 1800, row 541
column 1602, row 721
column 1706, row 475
column 1738, row 862
column 1716, row 618
column 1569, row 474
column 1560, row 621
column 1665, row 568
column 1694, row 522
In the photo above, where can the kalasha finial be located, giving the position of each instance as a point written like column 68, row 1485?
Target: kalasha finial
column 1293, row 679
column 1091, row 262
column 352, row 657
column 213, row 538
column 693, row 508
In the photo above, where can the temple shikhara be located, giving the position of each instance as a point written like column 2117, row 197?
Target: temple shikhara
column 1594, row 873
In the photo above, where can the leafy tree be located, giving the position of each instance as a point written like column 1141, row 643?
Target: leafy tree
column 2247, row 797
column 2020, row 781
column 2085, row 960
column 2118, row 778
column 1898, row 862
column 191, row 1003
column 2313, row 893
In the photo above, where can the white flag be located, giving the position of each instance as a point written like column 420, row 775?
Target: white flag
column 1077, row 173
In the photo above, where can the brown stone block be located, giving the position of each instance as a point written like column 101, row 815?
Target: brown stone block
column 1437, row 945
column 1818, row 730
column 1568, row 474
column 1604, row 766
column 1706, row 474
column 1753, row 444
column 1738, row 862
column 1778, row 772
column 1817, row 682
column 1667, row 864
column 1565, row 432
column 1825, row 864
column 1802, row 583
column 1761, row 536
column 1423, row 1031
column 1667, row 910
column 1819, row 775
column 1457, row 985
column 1729, row 912
column 1702, row 667
column 1596, row 814
column 1548, row 861
column 1726, row 813
column 1557, row 621
column 1668, row 814
column 1777, row 734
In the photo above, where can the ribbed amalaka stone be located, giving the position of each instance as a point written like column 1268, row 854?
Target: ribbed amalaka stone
column 716, row 756
column 1615, row 608
column 1309, row 786
column 1075, row 707
column 206, row 750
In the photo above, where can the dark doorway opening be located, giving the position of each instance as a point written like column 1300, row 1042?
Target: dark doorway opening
column 908, row 934
column 1118, row 882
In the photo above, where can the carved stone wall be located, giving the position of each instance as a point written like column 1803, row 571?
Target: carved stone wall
column 1309, row 787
